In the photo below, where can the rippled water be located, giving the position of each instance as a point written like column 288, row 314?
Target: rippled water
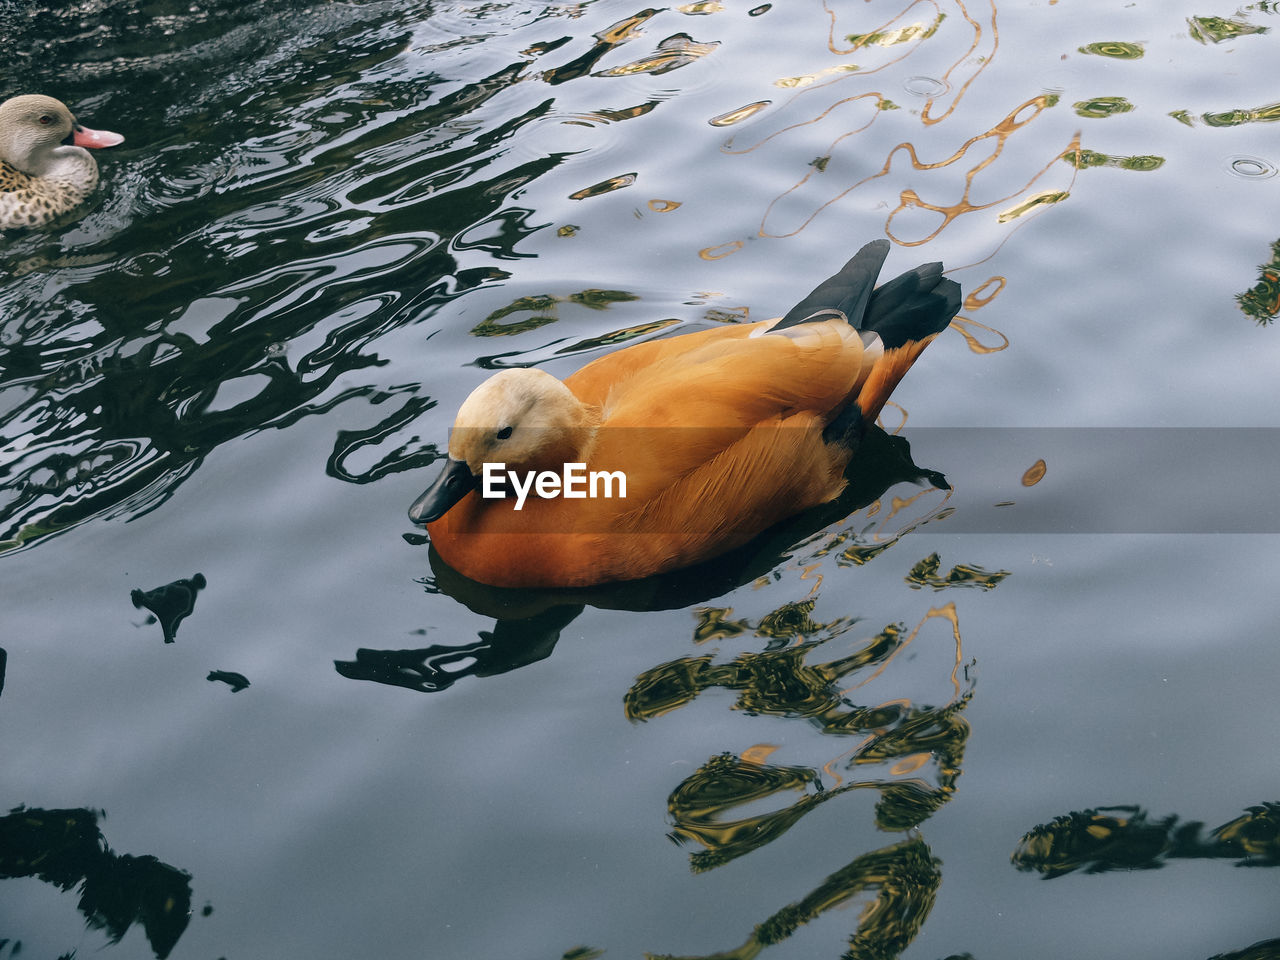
column 980, row 710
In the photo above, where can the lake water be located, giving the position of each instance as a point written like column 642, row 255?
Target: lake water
column 1032, row 713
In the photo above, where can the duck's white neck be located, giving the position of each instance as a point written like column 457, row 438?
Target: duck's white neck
column 63, row 164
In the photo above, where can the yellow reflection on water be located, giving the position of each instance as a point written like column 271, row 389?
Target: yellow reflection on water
column 729, row 315
column 902, row 418
column 994, row 140
column 970, row 57
column 620, row 114
column 873, row 99
column 760, row 753
column 886, row 34
column 737, row 116
column 978, row 297
column 721, row 251
column 910, row 764
column 1032, row 203
column 702, row 8
column 604, row 186
column 615, row 337
column 1100, row 839
column 625, row 30
column 906, row 752
column 964, row 326
column 805, row 79
column 672, row 53
column 889, row 38
column 1002, row 131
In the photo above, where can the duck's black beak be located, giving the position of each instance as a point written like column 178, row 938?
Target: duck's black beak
column 454, row 483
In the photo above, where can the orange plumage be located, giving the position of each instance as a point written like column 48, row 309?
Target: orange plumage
column 719, row 435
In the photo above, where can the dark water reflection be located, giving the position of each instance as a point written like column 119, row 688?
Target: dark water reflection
column 326, row 201
column 171, row 336
column 66, row 848
column 329, row 219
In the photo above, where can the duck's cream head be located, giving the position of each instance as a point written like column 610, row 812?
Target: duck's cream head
column 523, row 418
column 35, row 129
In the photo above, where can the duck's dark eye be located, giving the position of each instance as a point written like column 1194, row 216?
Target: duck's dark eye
column 503, row 433
column 46, row 119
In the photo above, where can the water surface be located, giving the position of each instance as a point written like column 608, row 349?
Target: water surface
column 1033, row 711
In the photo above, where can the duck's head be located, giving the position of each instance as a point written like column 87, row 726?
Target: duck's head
column 523, row 418
column 33, row 127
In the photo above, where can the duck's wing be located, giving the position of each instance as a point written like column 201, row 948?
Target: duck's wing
column 839, row 353
column 842, row 296
column 692, row 411
column 593, row 383
column 739, row 381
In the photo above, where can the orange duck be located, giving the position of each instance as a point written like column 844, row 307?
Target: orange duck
column 671, row 452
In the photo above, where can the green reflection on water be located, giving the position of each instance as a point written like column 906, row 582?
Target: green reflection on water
column 1262, row 302
column 1092, row 158
column 545, row 308
column 1218, row 29
column 717, row 806
column 1124, row 838
column 1234, row 118
column 925, row 574
column 904, row 879
column 1267, row 113
column 1116, row 49
column 1100, row 107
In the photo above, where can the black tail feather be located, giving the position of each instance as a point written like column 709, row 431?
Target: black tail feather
column 905, row 312
column 913, row 306
column 909, row 307
column 849, row 290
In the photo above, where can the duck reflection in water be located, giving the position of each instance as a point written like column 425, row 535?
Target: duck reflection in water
column 65, row 848
column 171, row 603
column 529, row 622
